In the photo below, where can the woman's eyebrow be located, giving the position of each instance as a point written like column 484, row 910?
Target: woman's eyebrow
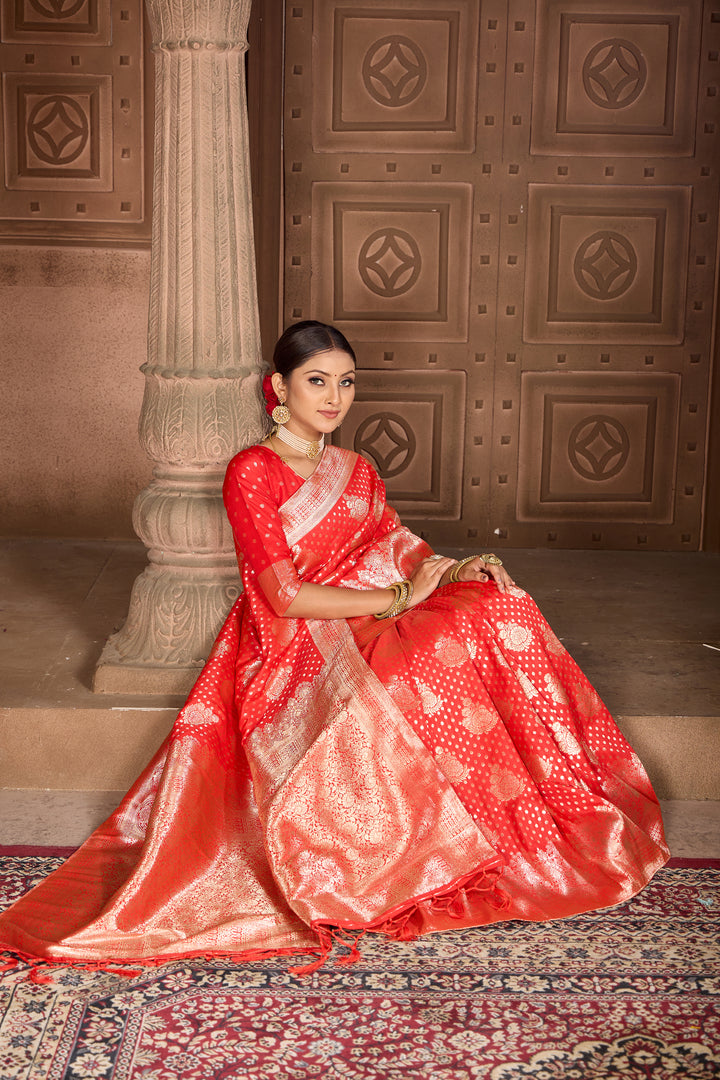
column 318, row 371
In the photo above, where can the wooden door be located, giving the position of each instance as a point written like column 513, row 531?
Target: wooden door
column 511, row 211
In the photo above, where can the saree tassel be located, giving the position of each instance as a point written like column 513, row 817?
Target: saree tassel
column 325, row 941
column 42, row 972
column 8, row 963
column 453, row 906
column 35, row 976
column 486, row 881
column 329, row 936
column 405, row 926
column 37, row 966
column 349, row 941
column 39, row 969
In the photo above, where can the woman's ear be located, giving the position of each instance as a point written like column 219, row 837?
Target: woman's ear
column 278, row 384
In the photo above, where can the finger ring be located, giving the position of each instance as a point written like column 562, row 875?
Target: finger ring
column 433, row 557
column 491, row 560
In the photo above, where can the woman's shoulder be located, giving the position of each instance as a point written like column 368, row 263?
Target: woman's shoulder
column 252, row 460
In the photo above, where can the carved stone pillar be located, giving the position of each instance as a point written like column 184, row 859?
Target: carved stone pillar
column 202, row 398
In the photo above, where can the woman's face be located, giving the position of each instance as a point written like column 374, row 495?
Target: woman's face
column 318, row 393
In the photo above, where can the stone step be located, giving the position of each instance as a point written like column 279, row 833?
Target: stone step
column 66, row 818
column 106, row 748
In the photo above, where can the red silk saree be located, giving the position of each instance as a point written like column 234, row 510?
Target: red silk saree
column 448, row 767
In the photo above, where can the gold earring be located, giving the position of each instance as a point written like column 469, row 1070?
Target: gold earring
column 281, row 413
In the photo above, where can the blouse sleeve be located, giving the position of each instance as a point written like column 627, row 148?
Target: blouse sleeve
column 252, row 507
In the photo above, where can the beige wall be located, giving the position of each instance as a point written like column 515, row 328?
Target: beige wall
column 73, row 324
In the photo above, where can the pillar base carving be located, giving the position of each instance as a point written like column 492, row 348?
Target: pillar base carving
column 112, row 677
column 175, row 615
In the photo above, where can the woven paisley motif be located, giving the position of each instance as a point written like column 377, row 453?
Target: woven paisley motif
column 453, row 768
column 586, row 698
column 555, row 689
column 357, row 507
column 450, row 652
column 552, row 644
column 540, row 768
column 197, row 715
column 402, row 694
column 566, row 740
column 431, row 703
column 516, row 637
column 505, row 785
column 278, row 682
column 477, row 717
column 221, row 648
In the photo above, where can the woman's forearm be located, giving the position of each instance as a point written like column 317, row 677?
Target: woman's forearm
column 329, row 602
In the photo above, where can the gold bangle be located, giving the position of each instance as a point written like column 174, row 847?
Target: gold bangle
column 458, row 566
column 491, row 560
column 403, row 591
column 401, row 602
column 396, row 590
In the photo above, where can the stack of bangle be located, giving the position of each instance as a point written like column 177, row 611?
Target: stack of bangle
column 489, row 560
column 458, row 567
column 403, row 592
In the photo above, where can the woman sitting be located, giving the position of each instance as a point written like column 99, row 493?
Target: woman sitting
column 382, row 739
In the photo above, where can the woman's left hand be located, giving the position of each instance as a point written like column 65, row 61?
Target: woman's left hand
column 478, row 570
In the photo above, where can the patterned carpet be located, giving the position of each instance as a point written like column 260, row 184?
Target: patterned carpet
column 627, row 994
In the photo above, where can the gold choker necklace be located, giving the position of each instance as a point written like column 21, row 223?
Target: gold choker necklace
column 303, row 446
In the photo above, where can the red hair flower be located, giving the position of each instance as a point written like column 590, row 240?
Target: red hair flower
column 271, row 398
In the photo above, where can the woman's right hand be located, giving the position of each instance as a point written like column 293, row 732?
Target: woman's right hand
column 426, row 577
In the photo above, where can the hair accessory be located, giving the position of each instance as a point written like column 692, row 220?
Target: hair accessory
column 303, row 446
column 280, row 414
column 271, row 398
column 403, row 593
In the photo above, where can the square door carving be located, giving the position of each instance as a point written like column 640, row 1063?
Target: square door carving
column 392, row 261
column 405, row 424
column 81, row 22
column 611, row 78
column 599, row 261
column 400, row 76
column 64, row 132
column 598, row 447
column 73, row 121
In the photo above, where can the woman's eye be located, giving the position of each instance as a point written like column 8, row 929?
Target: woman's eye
column 316, row 380
column 347, row 382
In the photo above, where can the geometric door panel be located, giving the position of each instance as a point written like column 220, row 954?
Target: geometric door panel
column 403, row 423
column 512, row 212
column 73, row 161
column 589, row 443
column 392, row 259
column 395, row 76
column 607, row 261
column 612, row 78
column 68, row 128
column 73, row 23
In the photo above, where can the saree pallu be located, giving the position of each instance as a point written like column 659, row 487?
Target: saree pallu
column 448, row 767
